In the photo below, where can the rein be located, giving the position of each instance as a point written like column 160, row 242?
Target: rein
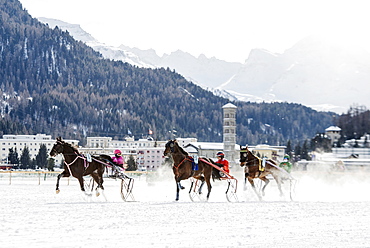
column 68, row 164
column 86, row 164
column 251, row 161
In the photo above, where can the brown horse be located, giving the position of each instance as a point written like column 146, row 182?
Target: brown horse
column 77, row 165
column 253, row 169
column 182, row 168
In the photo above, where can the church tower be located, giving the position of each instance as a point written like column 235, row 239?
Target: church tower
column 229, row 131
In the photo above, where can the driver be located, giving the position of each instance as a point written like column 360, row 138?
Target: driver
column 118, row 159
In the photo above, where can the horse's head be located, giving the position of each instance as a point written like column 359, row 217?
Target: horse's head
column 57, row 148
column 169, row 147
column 244, row 155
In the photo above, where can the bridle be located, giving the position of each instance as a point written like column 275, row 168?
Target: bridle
column 247, row 162
column 171, row 144
column 86, row 164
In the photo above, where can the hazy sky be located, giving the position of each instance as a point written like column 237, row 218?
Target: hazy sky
column 226, row 29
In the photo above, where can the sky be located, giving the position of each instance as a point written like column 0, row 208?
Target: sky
column 225, row 29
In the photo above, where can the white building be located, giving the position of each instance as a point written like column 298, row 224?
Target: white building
column 149, row 159
column 32, row 142
column 148, row 153
column 272, row 152
column 362, row 142
column 204, row 149
column 333, row 132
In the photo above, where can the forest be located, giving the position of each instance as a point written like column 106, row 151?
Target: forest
column 53, row 84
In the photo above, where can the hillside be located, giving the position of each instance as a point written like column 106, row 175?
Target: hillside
column 51, row 83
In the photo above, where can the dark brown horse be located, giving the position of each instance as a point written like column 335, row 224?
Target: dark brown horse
column 253, row 168
column 77, row 165
column 182, row 167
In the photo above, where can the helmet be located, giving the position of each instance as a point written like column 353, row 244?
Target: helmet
column 117, row 151
column 220, row 154
column 287, row 157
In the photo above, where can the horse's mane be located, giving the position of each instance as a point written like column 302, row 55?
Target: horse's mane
column 73, row 148
column 67, row 144
column 178, row 147
column 181, row 149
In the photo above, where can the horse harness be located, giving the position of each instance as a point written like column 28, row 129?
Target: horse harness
column 86, row 162
column 177, row 166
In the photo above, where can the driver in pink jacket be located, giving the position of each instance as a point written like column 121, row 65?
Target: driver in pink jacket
column 118, row 159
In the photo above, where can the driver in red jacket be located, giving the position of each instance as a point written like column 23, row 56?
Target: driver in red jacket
column 222, row 161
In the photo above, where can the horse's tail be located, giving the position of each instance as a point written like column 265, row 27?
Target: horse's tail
column 104, row 158
column 215, row 172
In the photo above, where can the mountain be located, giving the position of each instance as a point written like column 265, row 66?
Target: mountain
column 108, row 52
column 314, row 72
column 52, row 83
column 206, row 72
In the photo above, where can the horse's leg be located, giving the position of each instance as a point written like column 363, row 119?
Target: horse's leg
column 246, row 174
column 201, row 187
column 208, row 181
column 278, row 181
column 81, row 181
column 181, row 187
column 191, row 186
column 98, row 180
column 250, row 180
column 178, row 187
column 207, row 178
column 266, row 181
column 63, row 174
column 200, row 178
column 101, row 182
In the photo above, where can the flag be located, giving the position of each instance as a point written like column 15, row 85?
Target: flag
column 129, row 132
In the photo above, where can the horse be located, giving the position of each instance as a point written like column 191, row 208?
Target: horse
column 77, row 165
column 253, row 169
column 182, row 167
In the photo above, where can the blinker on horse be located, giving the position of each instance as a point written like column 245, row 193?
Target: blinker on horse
column 77, row 165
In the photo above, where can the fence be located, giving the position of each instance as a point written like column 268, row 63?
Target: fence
column 43, row 175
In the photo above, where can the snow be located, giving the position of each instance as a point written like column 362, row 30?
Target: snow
column 329, row 210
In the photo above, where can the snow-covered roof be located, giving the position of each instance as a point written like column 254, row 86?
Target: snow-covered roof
column 333, row 128
column 208, row 146
column 229, row 105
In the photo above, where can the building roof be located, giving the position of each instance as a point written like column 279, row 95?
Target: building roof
column 229, row 105
column 208, row 146
column 333, row 128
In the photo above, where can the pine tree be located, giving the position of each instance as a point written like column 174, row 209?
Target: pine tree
column 42, row 157
column 25, row 159
column 297, row 151
column 304, row 151
column 289, row 148
column 131, row 164
column 51, row 164
column 13, row 156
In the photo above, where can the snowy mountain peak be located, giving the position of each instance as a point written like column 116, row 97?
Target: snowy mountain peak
column 74, row 29
column 316, row 72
